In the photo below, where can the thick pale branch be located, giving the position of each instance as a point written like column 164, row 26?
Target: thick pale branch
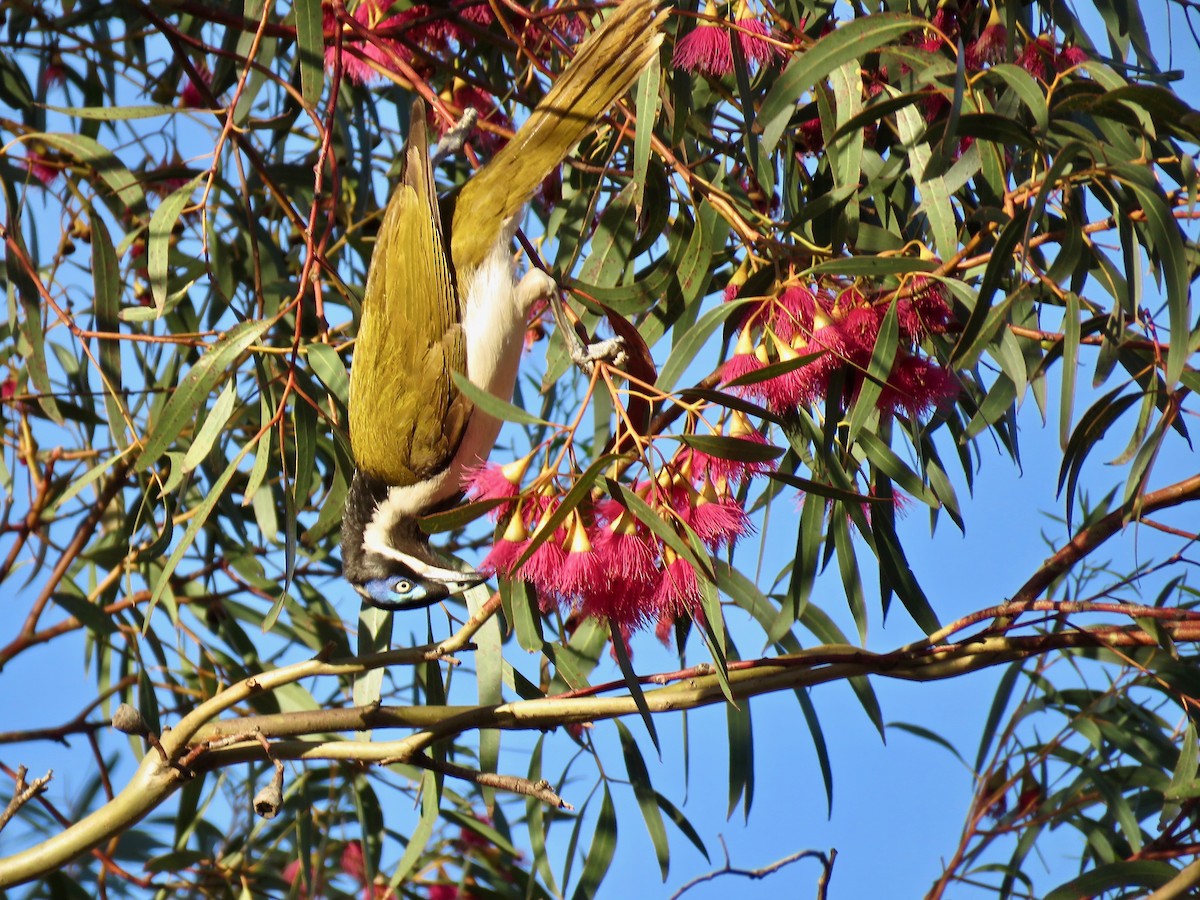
column 155, row 780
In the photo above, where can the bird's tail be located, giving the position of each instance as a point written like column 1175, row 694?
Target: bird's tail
column 605, row 67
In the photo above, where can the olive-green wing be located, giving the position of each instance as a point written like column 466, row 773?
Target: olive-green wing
column 605, row 67
column 406, row 416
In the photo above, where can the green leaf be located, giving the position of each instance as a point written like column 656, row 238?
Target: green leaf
column 600, row 854
column 114, row 113
column 327, row 365
column 214, row 424
column 647, row 798
column 1139, row 873
column 106, row 279
column 735, row 448
column 1000, row 700
column 851, row 41
column 741, row 756
column 494, row 406
column 185, row 403
column 934, row 191
column 421, row 835
column 648, row 104
column 878, row 371
column 200, row 514
column 310, row 40
column 635, row 689
column 613, row 239
column 127, row 190
column 158, row 244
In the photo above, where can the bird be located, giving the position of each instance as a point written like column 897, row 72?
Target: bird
column 442, row 297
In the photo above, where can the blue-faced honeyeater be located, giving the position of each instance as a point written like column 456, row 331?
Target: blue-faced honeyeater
column 442, row 297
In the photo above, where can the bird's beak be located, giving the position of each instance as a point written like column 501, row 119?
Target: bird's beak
column 461, row 582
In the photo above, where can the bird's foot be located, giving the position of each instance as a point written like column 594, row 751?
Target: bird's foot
column 452, row 141
column 610, row 350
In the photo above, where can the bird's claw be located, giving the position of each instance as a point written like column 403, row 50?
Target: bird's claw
column 610, row 350
column 452, row 141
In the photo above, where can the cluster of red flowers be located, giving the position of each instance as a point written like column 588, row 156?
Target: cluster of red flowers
column 708, row 48
column 433, row 28
column 826, row 333
column 602, row 560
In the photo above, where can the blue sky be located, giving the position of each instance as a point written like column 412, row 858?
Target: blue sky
column 898, row 808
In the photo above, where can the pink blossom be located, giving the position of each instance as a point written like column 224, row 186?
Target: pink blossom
column 753, row 36
column 42, row 168
column 491, row 481
column 352, row 861
column 719, row 521
column 705, row 50
column 355, row 53
column 508, row 549
column 925, row 310
column 989, row 48
column 193, row 92
column 792, row 313
column 678, row 591
column 477, row 11
column 917, row 385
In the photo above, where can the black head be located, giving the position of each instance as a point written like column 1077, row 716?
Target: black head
column 390, row 563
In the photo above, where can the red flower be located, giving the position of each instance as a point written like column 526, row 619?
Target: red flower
column 753, row 37
column 989, row 47
column 443, row 892
column 678, row 594
column 193, row 92
column 706, row 49
column 925, row 310
column 490, row 481
column 42, row 168
column 477, row 11
column 917, row 385
column 508, row 549
column 718, row 521
column 793, row 312
column 352, row 861
column 356, row 53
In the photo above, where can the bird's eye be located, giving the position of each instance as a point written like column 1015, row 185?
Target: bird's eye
column 403, row 586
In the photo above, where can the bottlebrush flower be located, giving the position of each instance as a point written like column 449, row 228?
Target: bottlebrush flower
column 491, row 481
column 192, row 94
column 508, row 549
column 732, row 470
column 678, row 590
column 717, row 520
column 793, row 312
column 1042, row 55
column 989, row 48
column 747, row 358
column 925, row 310
column 477, row 11
column 706, row 49
column 917, row 385
column 753, row 37
column 580, row 571
column 42, row 168
column 356, row 52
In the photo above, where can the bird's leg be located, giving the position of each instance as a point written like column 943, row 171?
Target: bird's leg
column 452, row 141
column 537, row 285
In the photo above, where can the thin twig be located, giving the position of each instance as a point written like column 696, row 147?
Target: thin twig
column 756, row 874
column 24, row 792
column 514, row 784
